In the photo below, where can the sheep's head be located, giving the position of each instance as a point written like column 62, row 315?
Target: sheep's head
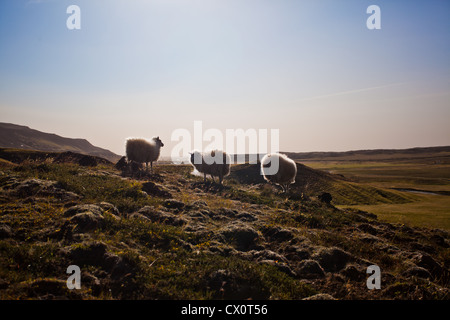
column 158, row 142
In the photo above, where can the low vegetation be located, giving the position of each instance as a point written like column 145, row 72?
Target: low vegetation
column 169, row 235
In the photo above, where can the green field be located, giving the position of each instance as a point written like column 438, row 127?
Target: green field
column 423, row 175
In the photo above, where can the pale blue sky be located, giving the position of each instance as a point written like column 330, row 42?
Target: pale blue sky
column 309, row 68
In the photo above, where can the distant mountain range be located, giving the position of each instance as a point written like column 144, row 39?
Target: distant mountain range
column 411, row 154
column 22, row 137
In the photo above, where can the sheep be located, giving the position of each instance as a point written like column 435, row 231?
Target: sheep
column 143, row 151
column 216, row 163
column 279, row 169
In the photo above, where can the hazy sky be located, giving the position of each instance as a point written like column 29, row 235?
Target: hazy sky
column 311, row 69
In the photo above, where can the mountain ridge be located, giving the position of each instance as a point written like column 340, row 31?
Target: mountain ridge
column 23, row 137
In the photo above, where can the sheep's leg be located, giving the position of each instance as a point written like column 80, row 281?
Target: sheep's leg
column 212, row 177
column 204, row 177
column 151, row 167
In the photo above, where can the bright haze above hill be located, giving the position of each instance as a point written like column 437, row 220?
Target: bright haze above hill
column 311, row 69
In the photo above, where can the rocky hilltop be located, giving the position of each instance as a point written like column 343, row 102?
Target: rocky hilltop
column 170, row 236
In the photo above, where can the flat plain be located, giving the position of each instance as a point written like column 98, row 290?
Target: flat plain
column 424, row 180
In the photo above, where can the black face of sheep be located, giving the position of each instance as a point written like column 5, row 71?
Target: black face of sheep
column 159, row 142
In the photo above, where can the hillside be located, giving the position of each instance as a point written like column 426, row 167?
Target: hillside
column 22, row 137
column 314, row 182
column 19, row 156
column 171, row 236
column 411, row 154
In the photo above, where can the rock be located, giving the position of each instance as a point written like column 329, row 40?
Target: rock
column 246, row 217
column 109, row 260
column 244, row 237
column 108, row 207
column 427, row 262
column 417, row 272
column 260, row 255
column 92, row 282
column 89, row 217
column 368, row 238
column 416, row 246
column 297, row 253
column 277, row 233
column 86, row 217
column 200, row 204
column 332, row 259
column 353, row 273
column 161, row 217
column 157, row 190
column 42, row 188
column 123, row 268
column 225, row 250
column 32, row 187
column 95, row 209
column 439, row 240
column 388, row 248
column 366, row 227
column 320, row 296
column 310, row 269
column 135, row 167
column 5, row 231
column 325, row 197
column 173, row 204
column 121, row 164
column 87, row 221
column 136, row 215
column 200, row 216
column 94, row 253
column 230, row 213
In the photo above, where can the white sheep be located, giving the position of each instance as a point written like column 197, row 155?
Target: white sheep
column 216, row 163
column 143, row 151
column 279, row 169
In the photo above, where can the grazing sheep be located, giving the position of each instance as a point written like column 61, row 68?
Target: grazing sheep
column 284, row 175
column 215, row 163
column 143, row 151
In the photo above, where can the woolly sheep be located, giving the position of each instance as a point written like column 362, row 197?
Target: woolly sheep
column 143, row 151
column 285, row 175
column 206, row 163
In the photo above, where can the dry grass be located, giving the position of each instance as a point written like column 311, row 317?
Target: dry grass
column 423, row 210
